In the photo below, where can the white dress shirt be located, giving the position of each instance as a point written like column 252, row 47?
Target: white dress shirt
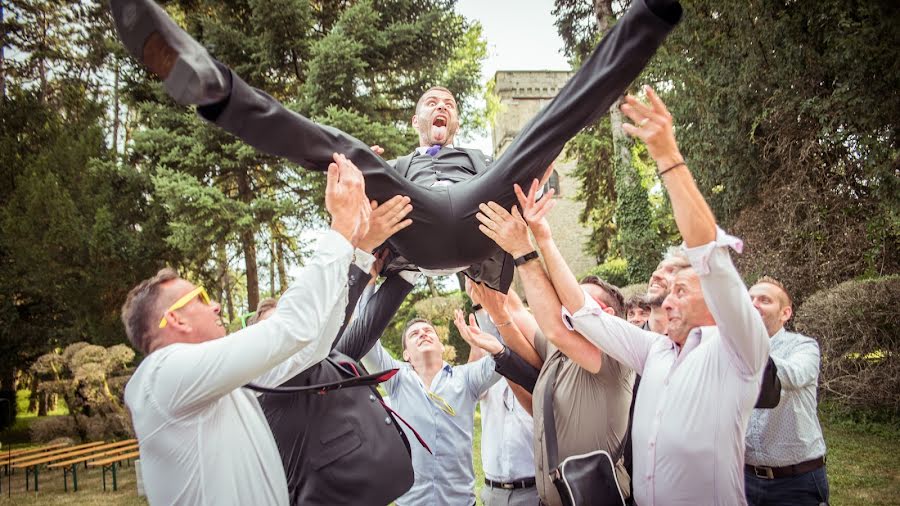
column 203, row 438
column 790, row 433
column 507, row 430
column 693, row 406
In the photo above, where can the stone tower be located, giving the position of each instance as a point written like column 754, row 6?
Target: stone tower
column 522, row 95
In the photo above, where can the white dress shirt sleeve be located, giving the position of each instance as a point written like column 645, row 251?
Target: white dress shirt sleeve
column 740, row 325
column 191, row 375
column 801, row 368
column 619, row 339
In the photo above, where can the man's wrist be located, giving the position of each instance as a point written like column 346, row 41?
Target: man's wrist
column 498, row 351
column 343, row 229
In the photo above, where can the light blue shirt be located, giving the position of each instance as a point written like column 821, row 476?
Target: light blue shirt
column 444, row 477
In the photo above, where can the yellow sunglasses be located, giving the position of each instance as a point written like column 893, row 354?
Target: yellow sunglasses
column 180, row 303
column 442, row 404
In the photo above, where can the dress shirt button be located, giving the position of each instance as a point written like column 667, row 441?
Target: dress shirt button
column 387, row 420
column 371, row 398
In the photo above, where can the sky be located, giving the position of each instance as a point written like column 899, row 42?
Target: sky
column 520, row 36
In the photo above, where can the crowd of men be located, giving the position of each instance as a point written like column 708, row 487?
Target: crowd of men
column 288, row 410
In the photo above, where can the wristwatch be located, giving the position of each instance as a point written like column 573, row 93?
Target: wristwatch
column 525, row 258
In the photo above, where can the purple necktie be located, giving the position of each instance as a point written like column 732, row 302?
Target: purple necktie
column 433, row 150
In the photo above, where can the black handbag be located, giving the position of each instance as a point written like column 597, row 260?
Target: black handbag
column 581, row 480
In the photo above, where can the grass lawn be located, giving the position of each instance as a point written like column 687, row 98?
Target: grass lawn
column 863, row 469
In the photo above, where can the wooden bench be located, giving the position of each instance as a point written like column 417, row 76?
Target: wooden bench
column 72, row 464
column 26, row 451
column 32, row 466
column 111, row 463
column 9, row 465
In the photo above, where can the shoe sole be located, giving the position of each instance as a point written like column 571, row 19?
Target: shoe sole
column 193, row 78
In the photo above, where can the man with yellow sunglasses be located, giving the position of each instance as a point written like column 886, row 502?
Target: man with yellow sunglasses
column 204, row 439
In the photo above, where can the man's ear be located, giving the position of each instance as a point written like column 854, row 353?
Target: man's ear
column 415, row 121
column 406, row 355
column 609, row 310
column 787, row 312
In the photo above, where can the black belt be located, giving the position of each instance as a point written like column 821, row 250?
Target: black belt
column 511, row 485
column 770, row 473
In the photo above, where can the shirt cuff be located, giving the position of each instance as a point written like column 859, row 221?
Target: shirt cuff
column 411, row 277
column 590, row 307
column 363, row 260
column 700, row 256
column 333, row 242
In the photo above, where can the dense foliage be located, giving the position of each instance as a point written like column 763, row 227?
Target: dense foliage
column 106, row 180
column 855, row 323
column 787, row 115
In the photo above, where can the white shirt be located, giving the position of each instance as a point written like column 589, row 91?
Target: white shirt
column 692, row 407
column 790, row 433
column 203, row 438
column 507, row 430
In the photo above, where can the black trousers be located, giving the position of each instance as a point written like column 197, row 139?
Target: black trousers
column 444, row 232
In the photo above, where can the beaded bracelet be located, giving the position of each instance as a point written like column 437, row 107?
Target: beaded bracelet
column 679, row 164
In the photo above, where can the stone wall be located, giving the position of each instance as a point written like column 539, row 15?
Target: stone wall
column 522, row 95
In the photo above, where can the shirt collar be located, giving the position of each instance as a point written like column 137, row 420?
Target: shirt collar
column 421, row 149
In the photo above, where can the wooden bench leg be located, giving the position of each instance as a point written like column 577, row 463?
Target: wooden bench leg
column 104, row 478
column 36, row 477
column 66, row 479
column 75, row 477
column 114, row 476
column 27, row 475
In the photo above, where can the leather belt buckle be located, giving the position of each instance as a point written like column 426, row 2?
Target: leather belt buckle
column 507, row 486
column 763, row 473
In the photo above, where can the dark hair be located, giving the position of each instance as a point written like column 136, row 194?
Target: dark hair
column 613, row 299
column 433, row 88
column 141, row 312
column 409, row 324
column 634, row 301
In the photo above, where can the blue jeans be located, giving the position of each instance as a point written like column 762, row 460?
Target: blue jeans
column 804, row 489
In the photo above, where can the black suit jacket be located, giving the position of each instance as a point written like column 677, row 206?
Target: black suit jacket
column 343, row 447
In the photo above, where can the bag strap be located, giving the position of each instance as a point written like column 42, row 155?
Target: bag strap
column 550, row 424
column 323, row 388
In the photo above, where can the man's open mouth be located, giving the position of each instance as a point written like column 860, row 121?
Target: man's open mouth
column 440, row 121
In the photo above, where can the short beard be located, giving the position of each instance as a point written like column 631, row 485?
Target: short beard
column 658, row 300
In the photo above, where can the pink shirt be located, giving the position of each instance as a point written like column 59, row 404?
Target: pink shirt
column 692, row 407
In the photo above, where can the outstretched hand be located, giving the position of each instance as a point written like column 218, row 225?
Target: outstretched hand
column 507, row 229
column 386, row 220
column 345, row 199
column 534, row 210
column 653, row 125
column 473, row 335
column 492, row 301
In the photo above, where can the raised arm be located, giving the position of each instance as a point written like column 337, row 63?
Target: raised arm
column 801, row 368
column 373, row 318
column 190, row 375
column 740, row 325
column 510, row 232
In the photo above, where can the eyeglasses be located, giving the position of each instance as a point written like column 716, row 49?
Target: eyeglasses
column 180, row 303
column 441, row 403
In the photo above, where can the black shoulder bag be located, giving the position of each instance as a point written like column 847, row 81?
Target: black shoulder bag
column 581, row 480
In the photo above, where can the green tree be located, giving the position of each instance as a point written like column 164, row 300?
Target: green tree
column 358, row 66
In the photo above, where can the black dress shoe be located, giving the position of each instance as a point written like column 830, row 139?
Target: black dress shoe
column 190, row 75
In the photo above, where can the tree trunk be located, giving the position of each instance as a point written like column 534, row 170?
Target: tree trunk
column 52, row 402
column 226, row 282
column 42, row 404
column 2, row 56
column 272, row 262
column 282, row 271
column 432, row 286
column 248, row 242
column 33, row 398
column 115, row 136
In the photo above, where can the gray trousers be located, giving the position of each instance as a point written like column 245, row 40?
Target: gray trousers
column 502, row 497
column 444, row 233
